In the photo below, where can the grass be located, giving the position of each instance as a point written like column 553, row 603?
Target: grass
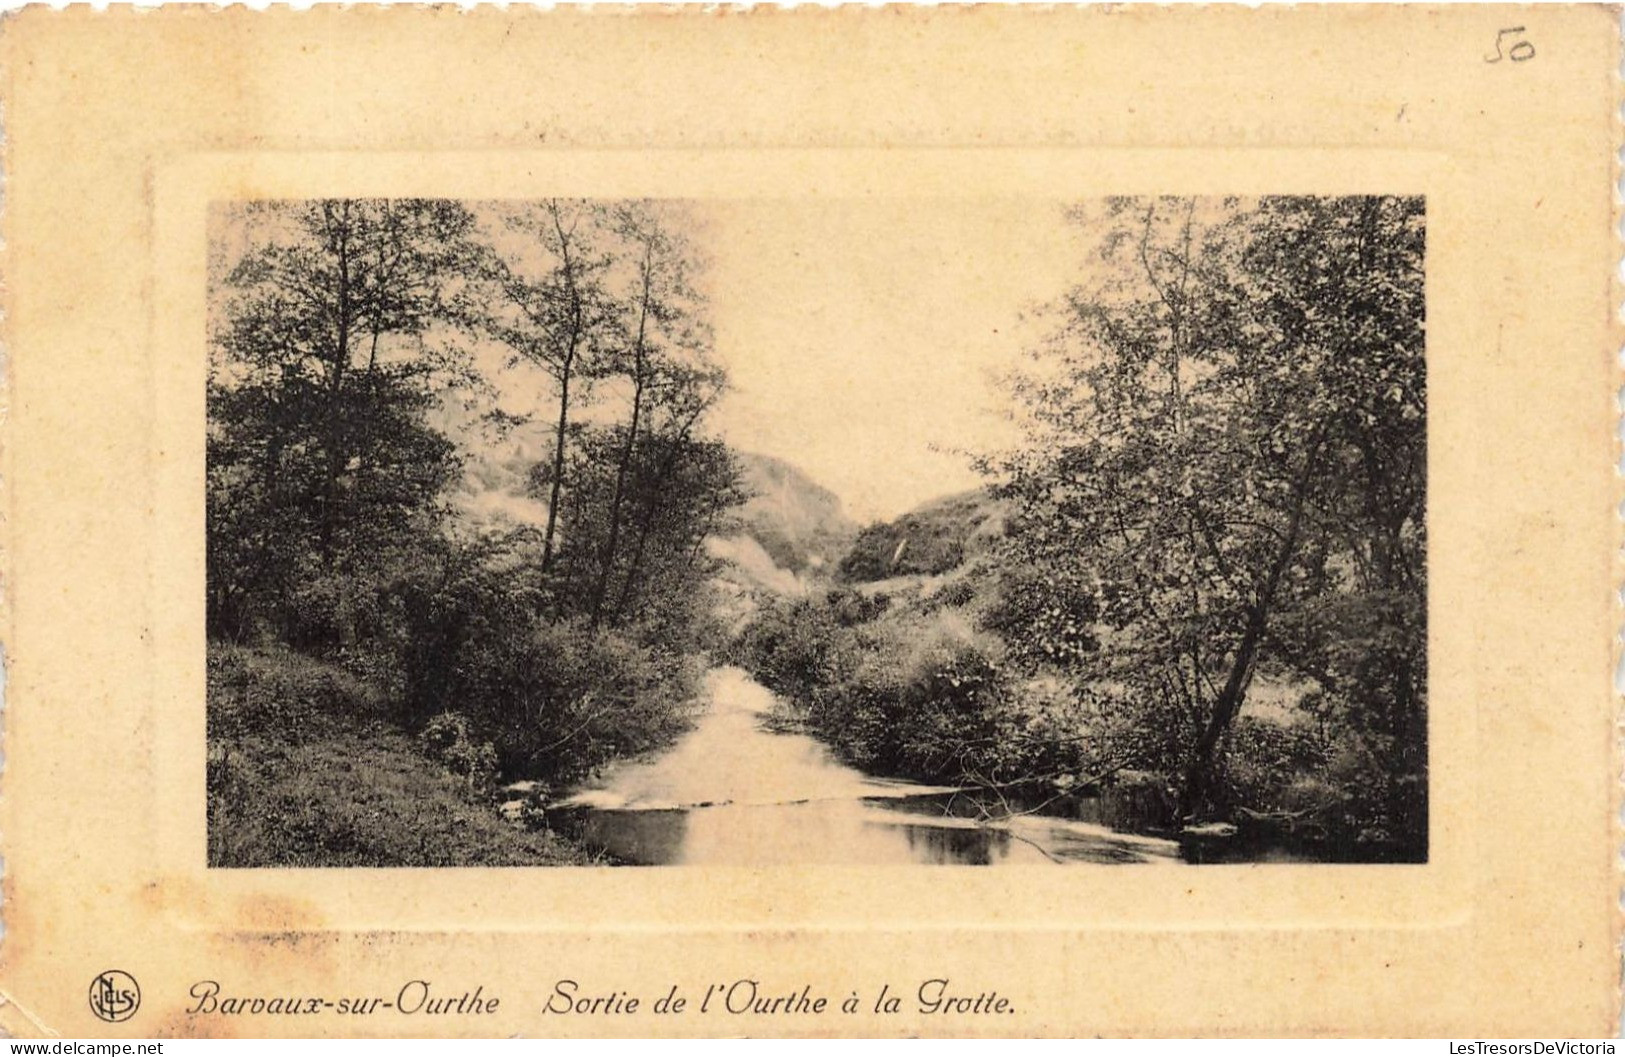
column 304, row 771
column 363, row 798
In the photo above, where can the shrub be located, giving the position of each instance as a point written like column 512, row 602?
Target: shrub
column 920, row 694
column 1333, row 786
column 955, row 594
column 849, row 608
column 557, row 700
column 797, row 648
column 1139, row 729
column 928, row 543
column 1381, row 809
column 281, row 693
column 1139, row 801
column 925, row 702
column 1261, row 758
column 358, row 800
column 449, row 740
column 1045, row 617
column 306, row 768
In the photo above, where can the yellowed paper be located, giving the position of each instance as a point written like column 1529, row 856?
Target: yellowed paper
column 881, row 199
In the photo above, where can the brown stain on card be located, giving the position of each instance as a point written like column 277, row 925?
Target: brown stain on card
column 257, row 912
column 277, row 913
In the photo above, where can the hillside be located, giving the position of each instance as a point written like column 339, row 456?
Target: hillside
column 796, row 521
column 929, row 540
column 789, row 534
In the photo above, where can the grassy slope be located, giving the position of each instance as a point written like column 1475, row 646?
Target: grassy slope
column 931, row 539
column 303, row 772
column 798, row 522
column 363, row 799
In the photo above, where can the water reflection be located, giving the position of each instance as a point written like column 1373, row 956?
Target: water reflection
column 642, row 837
column 947, row 845
column 731, row 792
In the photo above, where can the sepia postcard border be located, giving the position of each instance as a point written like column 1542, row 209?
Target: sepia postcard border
column 1396, row 895
column 1291, row 949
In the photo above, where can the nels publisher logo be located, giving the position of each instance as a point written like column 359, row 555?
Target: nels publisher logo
column 114, row 995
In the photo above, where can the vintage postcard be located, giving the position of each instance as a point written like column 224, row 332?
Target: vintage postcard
column 974, row 521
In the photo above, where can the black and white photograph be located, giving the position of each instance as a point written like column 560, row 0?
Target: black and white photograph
column 853, row 531
column 827, row 522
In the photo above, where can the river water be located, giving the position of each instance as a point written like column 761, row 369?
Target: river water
column 734, row 792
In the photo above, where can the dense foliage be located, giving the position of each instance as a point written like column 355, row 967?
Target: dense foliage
column 914, row 690
column 1219, row 499
column 1227, row 454
column 352, row 386
column 925, row 542
column 1195, row 588
column 907, row 546
column 305, row 768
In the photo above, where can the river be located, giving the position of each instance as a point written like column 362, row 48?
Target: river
column 734, row 792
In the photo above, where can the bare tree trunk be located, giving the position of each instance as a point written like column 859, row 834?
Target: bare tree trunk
column 555, row 486
column 699, row 541
column 606, row 564
column 334, row 462
column 566, row 366
column 1199, row 775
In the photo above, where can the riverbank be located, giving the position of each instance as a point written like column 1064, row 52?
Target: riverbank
column 306, row 769
column 741, row 789
column 917, row 679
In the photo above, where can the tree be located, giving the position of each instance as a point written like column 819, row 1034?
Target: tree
column 1363, row 641
column 665, row 355
column 556, row 314
column 684, row 483
column 332, row 347
column 1224, row 446
column 603, row 296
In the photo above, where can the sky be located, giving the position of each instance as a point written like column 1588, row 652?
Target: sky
column 864, row 337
